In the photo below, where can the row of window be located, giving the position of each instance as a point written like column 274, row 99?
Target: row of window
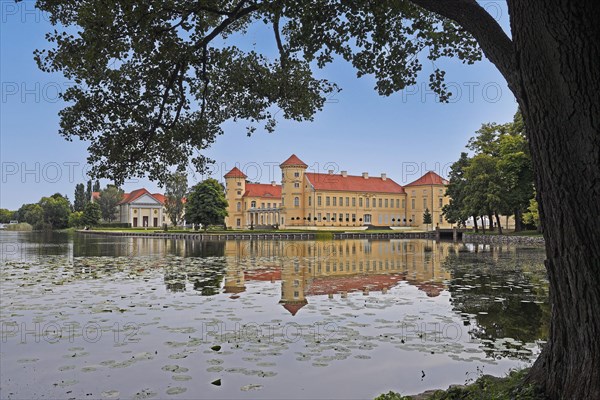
column 383, row 203
column 368, row 202
column 346, row 201
column 253, row 205
column 426, row 203
column 382, row 219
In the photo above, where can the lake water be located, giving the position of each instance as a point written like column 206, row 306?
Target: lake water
column 87, row 316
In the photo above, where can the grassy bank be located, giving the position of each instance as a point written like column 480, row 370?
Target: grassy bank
column 23, row 226
column 486, row 387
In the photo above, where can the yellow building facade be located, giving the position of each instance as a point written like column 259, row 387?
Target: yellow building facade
column 333, row 200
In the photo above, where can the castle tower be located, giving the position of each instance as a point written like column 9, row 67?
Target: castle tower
column 292, row 192
column 235, row 187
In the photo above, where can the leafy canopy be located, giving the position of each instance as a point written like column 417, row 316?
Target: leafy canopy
column 206, row 204
column 108, row 201
column 155, row 80
column 91, row 214
column 175, row 192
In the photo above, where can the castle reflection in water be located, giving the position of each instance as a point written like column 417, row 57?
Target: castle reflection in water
column 336, row 268
column 303, row 268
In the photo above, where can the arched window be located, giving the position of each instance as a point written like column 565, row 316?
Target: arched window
column 296, row 201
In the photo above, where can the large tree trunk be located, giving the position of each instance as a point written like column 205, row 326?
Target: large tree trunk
column 475, row 224
column 551, row 64
column 518, row 220
column 557, row 45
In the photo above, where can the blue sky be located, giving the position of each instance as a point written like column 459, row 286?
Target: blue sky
column 403, row 135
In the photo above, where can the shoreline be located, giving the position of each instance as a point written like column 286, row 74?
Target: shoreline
column 319, row 235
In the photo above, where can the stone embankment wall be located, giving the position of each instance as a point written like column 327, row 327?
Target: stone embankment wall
column 503, row 239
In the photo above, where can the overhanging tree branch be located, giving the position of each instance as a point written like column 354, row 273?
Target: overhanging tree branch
column 492, row 39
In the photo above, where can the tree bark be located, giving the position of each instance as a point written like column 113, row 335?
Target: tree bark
column 557, row 43
column 518, row 220
column 491, row 221
column 475, row 224
column 498, row 223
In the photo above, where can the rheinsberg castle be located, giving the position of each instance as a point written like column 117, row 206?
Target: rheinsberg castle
column 333, row 200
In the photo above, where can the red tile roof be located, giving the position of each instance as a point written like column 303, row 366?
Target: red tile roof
column 430, row 178
column 95, row 195
column 263, row 275
column 431, row 289
column 235, row 173
column 293, row 308
column 135, row 194
column 160, row 197
column 333, row 284
column 293, row 161
column 352, row 183
column 263, row 190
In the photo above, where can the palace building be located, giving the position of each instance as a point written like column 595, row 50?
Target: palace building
column 140, row 208
column 307, row 200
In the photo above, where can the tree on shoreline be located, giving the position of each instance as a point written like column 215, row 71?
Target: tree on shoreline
column 108, row 200
column 91, row 214
column 427, row 218
column 175, row 191
column 56, row 211
column 79, row 199
column 144, row 112
column 206, row 204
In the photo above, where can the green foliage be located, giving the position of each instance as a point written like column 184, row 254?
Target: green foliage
column 88, row 192
column 33, row 214
column 114, row 225
column 175, row 191
column 392, row 396
column 56, row 211
column 532, row 216
column 427, row 217
column 91, row 214
column 21, row 226
column 79, row 199
column 512, row 386
column 498, row 179
column 76, row 219
column 6, row 215
column 108, row 200
column 455, row 211
column 96, row 186
column 206, row 204
column 153, row 81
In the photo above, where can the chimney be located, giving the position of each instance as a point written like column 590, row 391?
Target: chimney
column 365, row 175
column 330, row 172
column 273, row 183
column 383, row 176
column 344, row 173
